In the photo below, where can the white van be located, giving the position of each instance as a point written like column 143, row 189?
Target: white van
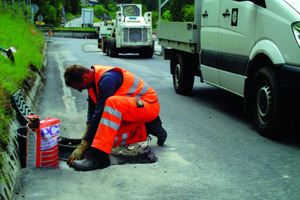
column 248, row 47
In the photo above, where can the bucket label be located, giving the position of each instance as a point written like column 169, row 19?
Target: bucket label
column 48, row 143
column 50, row 131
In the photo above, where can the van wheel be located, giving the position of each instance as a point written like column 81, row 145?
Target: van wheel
column 183, row 77
column 266, row 106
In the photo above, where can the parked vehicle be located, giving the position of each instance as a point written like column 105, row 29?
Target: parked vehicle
column 130, row 32
column 87, row 16
column 247, row 47
column 104, row 30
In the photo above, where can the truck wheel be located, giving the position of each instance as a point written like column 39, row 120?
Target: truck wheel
column 266, row 107
column 113, row 49
column 183, row 77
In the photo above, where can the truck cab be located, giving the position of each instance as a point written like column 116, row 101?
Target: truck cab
column 247, row 47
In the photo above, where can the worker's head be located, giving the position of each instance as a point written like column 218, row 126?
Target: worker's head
column 78, row 77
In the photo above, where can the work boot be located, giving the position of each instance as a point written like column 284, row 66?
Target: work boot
column 96, row 160
column 155, row 128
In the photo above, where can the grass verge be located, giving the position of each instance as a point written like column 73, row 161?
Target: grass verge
column 29, row 43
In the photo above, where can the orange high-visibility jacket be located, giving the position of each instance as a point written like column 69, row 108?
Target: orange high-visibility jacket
column 132, row 86
column 111, row 131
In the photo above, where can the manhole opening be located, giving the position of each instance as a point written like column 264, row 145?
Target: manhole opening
column 131, row 154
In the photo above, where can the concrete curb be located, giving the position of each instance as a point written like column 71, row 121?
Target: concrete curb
column 12, row 165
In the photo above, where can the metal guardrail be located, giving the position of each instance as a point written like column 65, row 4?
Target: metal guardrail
column 44, row 27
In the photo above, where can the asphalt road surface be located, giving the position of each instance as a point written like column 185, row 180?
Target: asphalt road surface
column 212, row 150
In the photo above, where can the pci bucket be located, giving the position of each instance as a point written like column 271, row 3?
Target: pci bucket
column 38, row 147
column 42, row 144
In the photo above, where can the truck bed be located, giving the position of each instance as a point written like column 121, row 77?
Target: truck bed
column 179, row 35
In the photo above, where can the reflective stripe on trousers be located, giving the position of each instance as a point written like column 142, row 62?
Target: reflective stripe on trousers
column 124, row 138
column 123, row 122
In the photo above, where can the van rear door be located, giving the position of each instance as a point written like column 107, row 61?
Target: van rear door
column 209, row 41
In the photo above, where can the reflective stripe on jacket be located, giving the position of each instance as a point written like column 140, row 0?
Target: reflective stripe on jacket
column 132, row 86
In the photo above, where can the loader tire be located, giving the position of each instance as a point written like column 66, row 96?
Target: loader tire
column 104, row 45
column 113, row 49
column 107, row 47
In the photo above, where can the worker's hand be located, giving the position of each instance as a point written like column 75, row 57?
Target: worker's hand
column 79, row 152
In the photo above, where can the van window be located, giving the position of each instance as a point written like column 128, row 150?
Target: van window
column 261, row 3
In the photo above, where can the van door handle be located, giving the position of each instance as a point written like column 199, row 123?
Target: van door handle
column 226, row 13
column 205, row 14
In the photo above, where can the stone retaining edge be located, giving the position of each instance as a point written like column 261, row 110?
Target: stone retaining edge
column 12, row 165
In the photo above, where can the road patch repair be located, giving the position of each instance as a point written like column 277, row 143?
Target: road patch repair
column 131, row 154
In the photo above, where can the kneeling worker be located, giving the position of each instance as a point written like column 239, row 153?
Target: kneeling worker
column 122, row 110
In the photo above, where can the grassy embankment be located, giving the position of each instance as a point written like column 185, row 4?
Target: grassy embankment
column 29, row 42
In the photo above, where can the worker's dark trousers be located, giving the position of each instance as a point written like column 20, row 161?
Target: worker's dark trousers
column 155, row 128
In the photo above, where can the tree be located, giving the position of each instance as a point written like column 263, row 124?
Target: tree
column 52, row 15
column 100, row 10
column 50, row 10
column 166, row 16
column 176, row 10
column 75, row 4
column 154, row 18
column 182, row 10
column 151, row 5
column 67, row 5
column 188, row 13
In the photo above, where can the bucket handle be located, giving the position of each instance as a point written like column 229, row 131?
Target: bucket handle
column 18, row 134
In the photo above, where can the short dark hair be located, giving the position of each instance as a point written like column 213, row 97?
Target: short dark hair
column 74, row 74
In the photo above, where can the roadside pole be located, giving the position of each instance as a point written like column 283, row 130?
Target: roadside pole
column 159, row 18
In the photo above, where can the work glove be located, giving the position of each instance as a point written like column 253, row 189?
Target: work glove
column 79, row 152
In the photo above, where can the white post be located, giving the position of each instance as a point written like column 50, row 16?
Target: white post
column 159, row 18
column 160, row 7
